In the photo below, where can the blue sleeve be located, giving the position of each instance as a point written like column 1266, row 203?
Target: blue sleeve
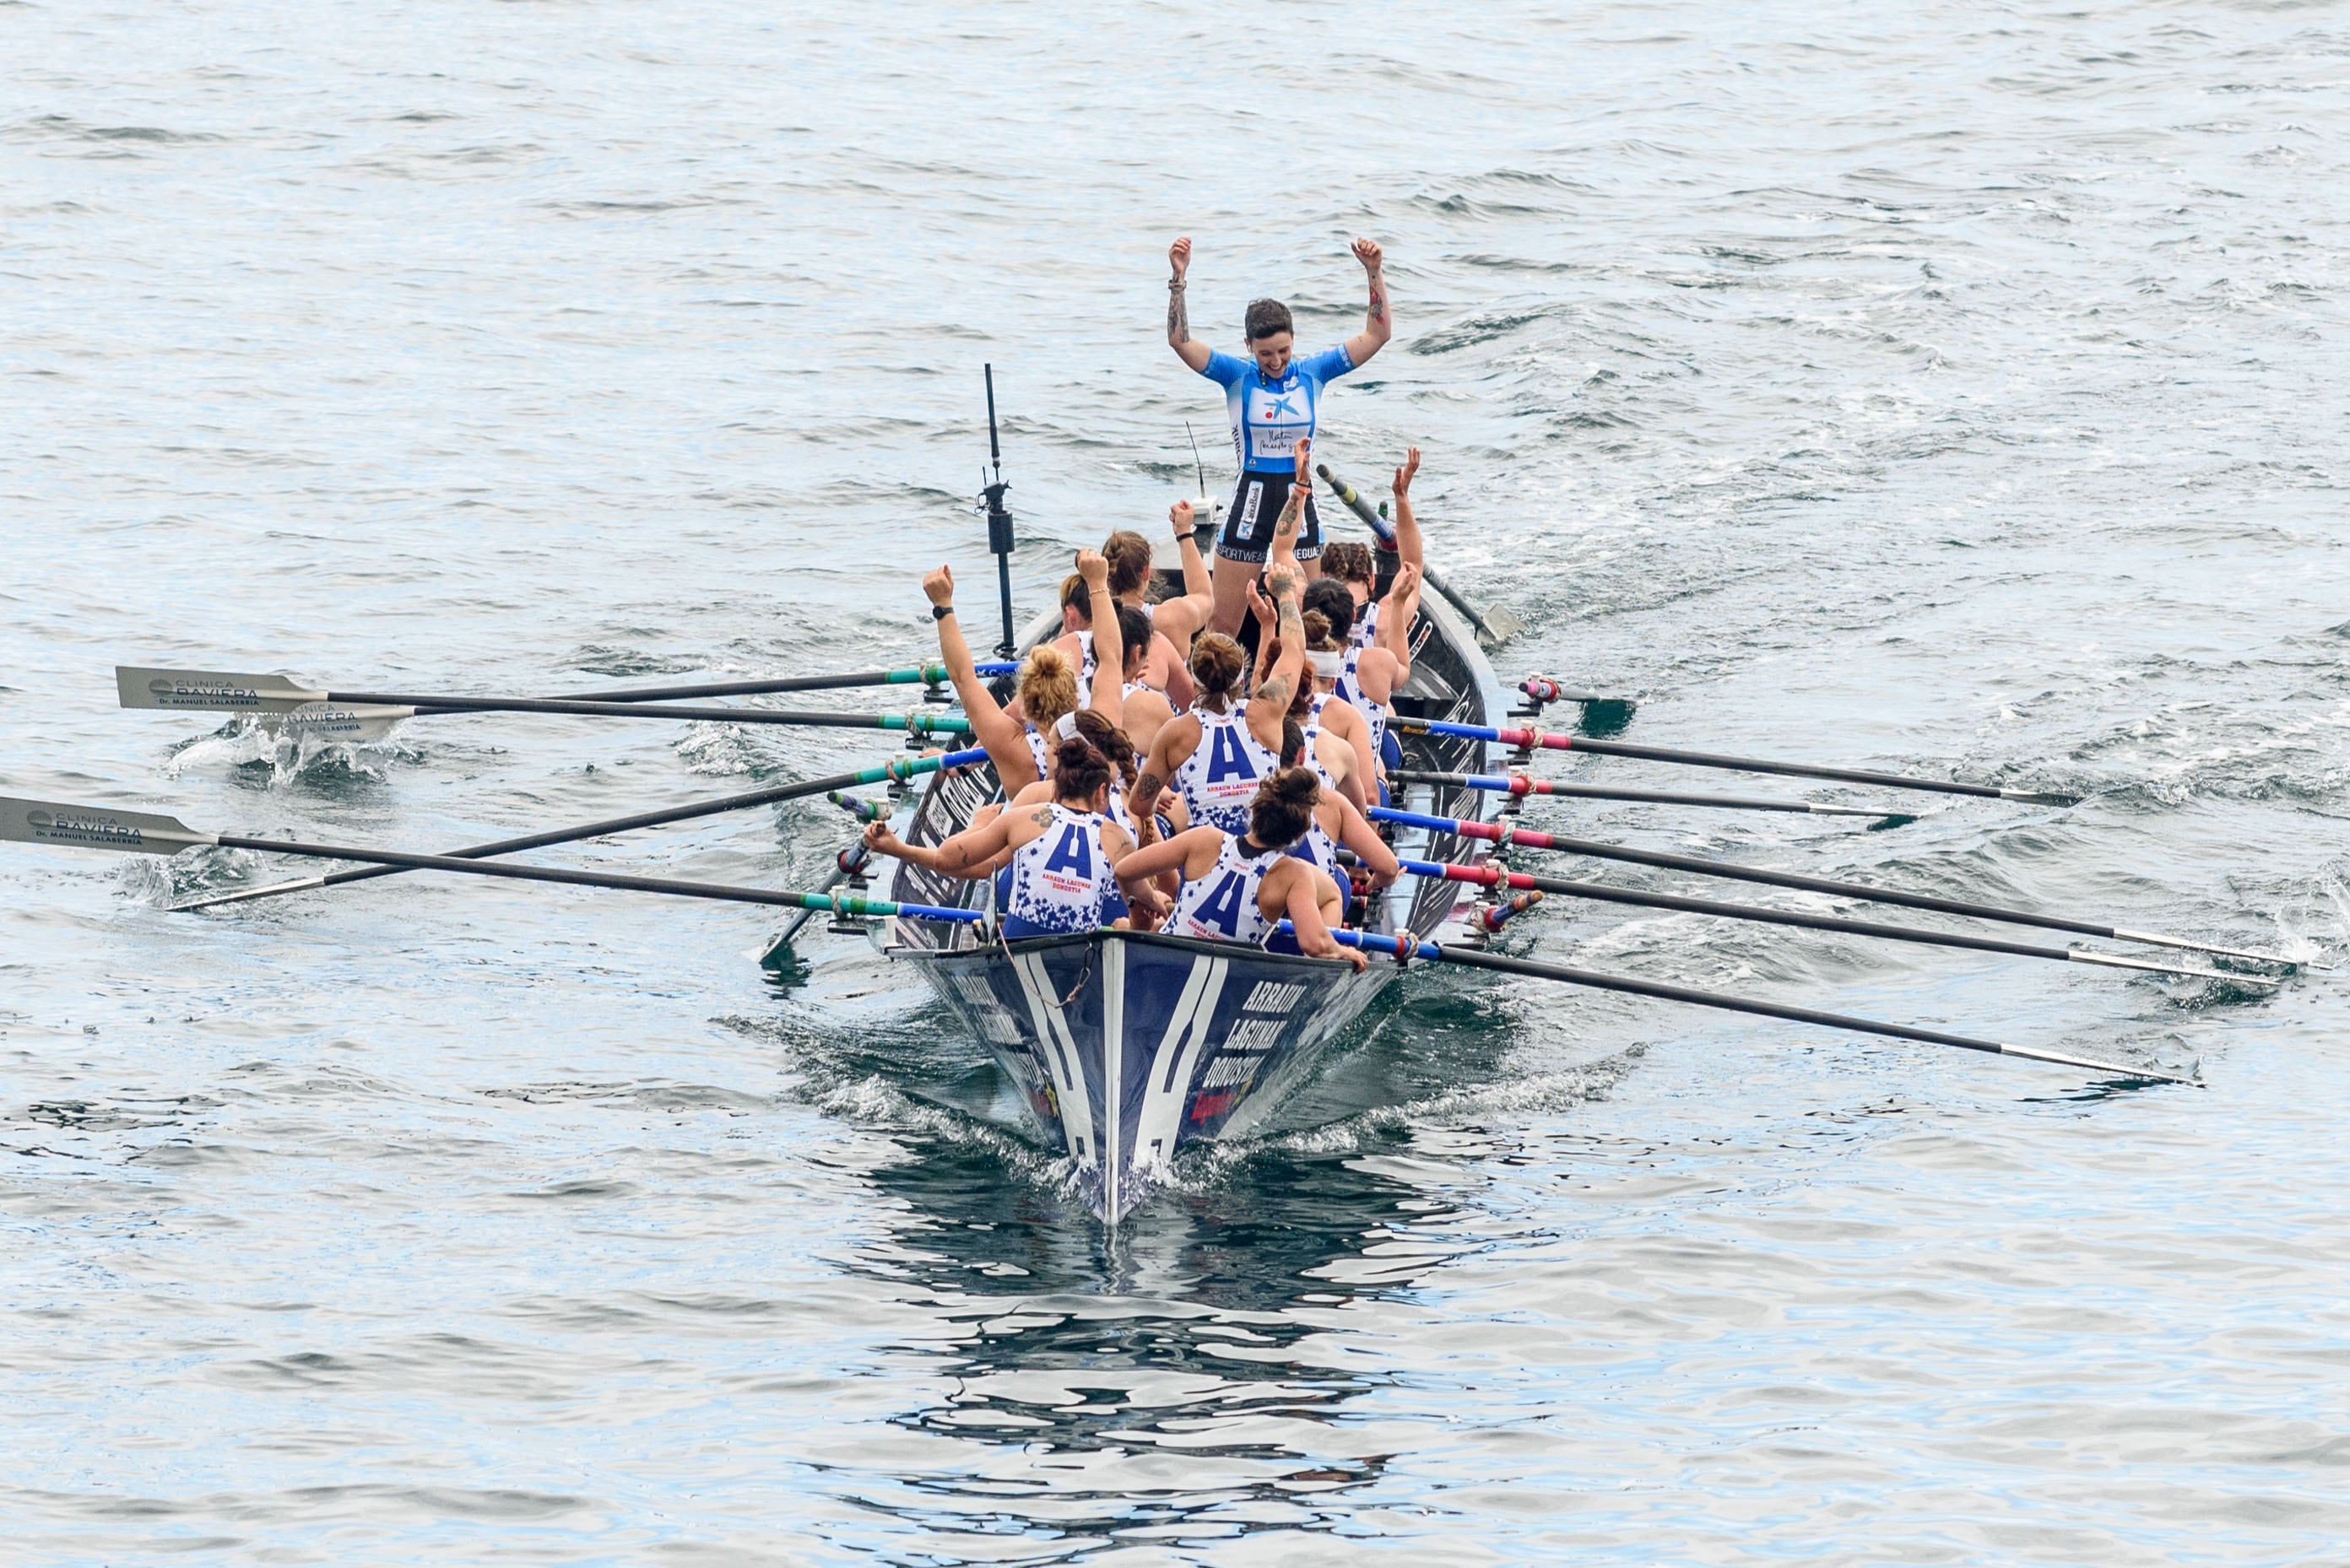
column 1327, row 366
column 1228, row 368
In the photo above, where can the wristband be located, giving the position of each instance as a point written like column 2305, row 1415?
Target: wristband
column 941, row 612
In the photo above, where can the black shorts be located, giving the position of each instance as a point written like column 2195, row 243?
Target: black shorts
column 1256, row 505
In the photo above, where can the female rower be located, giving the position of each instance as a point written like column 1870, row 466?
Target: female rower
column 1338, row 738
column 1215, row 753
column 1272, row 401
column 1048, row 682
column 1354, row 565
column 1064, row 852
column 1368, row 677
column 1237, row 886
column 1146, row 706
column 1336, row 822
column 1178, row 619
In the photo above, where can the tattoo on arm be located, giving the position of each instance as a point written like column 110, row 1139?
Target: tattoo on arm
column 1179, row 318
column 1146, row 793
column 1379, row 301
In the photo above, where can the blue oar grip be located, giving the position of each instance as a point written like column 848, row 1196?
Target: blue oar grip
column 1371, row 942
column 1414, row 820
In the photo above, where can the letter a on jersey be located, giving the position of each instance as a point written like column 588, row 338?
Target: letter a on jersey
column 1221, row 907
column 1229, row 759
column 1071, row 855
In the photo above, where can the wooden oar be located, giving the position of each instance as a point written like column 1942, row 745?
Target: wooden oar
column 1519, row 784
column 210, row 692
column 143, row 833
column 879, row 773
column 1553, row 740
column 1471, row 958
column 923, row 674
column 1496, row 877
column 1534, row 840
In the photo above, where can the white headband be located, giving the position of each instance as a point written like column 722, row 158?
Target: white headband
column 1067, row 730
column 1329, row 666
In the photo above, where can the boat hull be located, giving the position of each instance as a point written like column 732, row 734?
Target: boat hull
column 1127, row 1047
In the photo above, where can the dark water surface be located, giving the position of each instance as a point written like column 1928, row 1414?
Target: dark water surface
column 1942, row 388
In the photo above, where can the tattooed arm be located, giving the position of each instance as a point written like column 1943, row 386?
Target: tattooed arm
column 1378, row 325
column 1188, row 349
column 967, row 853
column 1270, row 705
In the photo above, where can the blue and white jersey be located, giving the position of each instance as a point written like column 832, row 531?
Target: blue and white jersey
column 1062, row 877
column 1269, row 416
column 1086, row 665
column 1222, row 905
column 1348, row 689
column 1366, row 626
column 1218, row 779
column 1039, row 750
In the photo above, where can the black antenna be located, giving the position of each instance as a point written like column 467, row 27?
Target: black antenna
column 999, row 520
column 1195, row 456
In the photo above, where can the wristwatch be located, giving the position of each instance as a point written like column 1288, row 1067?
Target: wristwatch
column 941, row 612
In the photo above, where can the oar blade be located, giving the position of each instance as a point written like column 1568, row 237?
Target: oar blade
column 94, row 827
column 210, row 690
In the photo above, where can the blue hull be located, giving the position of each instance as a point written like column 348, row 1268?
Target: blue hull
column 1127, row 1047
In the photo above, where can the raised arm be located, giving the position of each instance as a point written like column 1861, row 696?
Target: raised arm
column 1378, row 326
column 1270, row 705
column 1189, row 350
column 1394, row 636
column 1109, row 646
column 1181, row 618
column 1006, row 742
column 1407, row 546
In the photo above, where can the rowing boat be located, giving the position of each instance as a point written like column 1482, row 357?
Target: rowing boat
column 1126, row 1048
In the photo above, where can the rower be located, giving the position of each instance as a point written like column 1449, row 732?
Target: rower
column 1239, row 887
column 1339, row 740
column 1368, row 677
column 1354, row 565
column 1335, row 821
column 1146, row 706
column 1015, row 737
column 1273, row 401
column 1175, row 621
column 1216, row 753
column 1064, row 852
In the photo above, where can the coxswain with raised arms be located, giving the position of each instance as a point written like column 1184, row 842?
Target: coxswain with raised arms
column 1273, row 401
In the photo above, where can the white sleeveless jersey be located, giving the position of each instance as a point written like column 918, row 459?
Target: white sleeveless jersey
column 1219, row 778
column 1061, row 876
column 1366, row 626
column 1348, row 689
column 1086, row 665
column 1037, row 750
column 1221, row 906
column 1118, row 812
